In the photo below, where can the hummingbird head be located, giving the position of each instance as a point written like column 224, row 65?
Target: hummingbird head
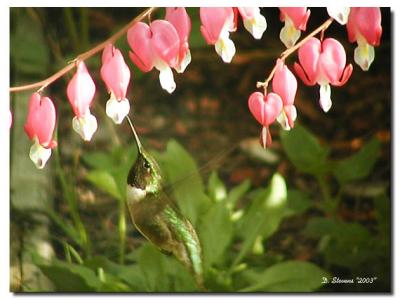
column 144, row 176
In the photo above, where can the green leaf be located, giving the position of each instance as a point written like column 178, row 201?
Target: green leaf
column 236, row 193
column 188, row 188
column 359, row 165
column 216, row 188
column 304, row 150
column 264, row 215
column 215, row 232
column 289, row 276
column 153, row 268
column 68, row 277
column 98, row 160
column 343, row 244
column 298, row 202
column 105, row 182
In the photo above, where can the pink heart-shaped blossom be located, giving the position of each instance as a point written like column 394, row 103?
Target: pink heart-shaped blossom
column 323, row 63
column 265, row 109
column 41, row 120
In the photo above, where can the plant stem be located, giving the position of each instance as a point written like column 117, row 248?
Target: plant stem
column 289, row 51
column 81, row 57
column 329, row 204
column 122, row 231
column 72, row 204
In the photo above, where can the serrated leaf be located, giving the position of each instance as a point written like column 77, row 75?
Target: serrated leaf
column 304, row 150
column 215, row 232
column 359, row 165
column 289, row 276
column 105, row 182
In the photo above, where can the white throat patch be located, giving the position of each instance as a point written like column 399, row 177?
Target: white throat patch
column 134, row 194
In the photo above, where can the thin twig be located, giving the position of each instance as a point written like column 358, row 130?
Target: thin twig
column 83, row 56
column 289, row 51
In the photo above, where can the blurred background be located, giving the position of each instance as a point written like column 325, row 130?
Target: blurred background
column 68, row 221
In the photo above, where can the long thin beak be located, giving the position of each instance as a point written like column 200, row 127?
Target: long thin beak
column 139, row 145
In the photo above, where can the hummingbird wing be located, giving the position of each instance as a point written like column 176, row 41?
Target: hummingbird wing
column 159, row 220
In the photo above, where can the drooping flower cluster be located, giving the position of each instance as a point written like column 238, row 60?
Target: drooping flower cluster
column 163, row 44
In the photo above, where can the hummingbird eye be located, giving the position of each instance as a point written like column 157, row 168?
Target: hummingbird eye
column 146, row 164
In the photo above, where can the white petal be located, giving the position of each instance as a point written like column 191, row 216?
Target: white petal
column 339, row 13
column 184, row 63
column 364, row 55
column 289, row 34
column 85, row 126
column 167, row 79
column 325, row 97
column 225, row 47
column 117, row 110
column 256, row 26
column 282, row 119
column 293, row 112
column 39, row 155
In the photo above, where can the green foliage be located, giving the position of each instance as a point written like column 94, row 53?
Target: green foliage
column 304, row 150
column 359, row 165
column 26, row 34
column 298, row 202
column 289, row 276
column 178, row 165
column 233, row 226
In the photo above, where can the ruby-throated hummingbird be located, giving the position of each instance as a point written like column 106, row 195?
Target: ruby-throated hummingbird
column 157, row 217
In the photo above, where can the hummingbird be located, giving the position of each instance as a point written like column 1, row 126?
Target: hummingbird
column 157, row 217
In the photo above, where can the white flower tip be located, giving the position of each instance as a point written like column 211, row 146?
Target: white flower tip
column 225, row 48
column 256, row 26
column 167, row 79
column 289, row 34
column 39, row 155
column 85, row 126
column 283, row 120
column 325, row 97
column 117, row 110
column 364, row 55
column 184, row 63
column 340, row 14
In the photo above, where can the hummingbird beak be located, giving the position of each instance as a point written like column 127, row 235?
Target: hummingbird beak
column 139, row 145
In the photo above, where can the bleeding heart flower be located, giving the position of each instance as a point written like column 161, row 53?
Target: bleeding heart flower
column 323, row 64
column 284, row 84
column 253, row 21
column 179, row 18
column 295, row 19
column 80, row 92
column 216, row 23
column 265, row 110
column 364, row 26
column 339, row 13
column 156, row 46
column 39, row 126
column 116, row 75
